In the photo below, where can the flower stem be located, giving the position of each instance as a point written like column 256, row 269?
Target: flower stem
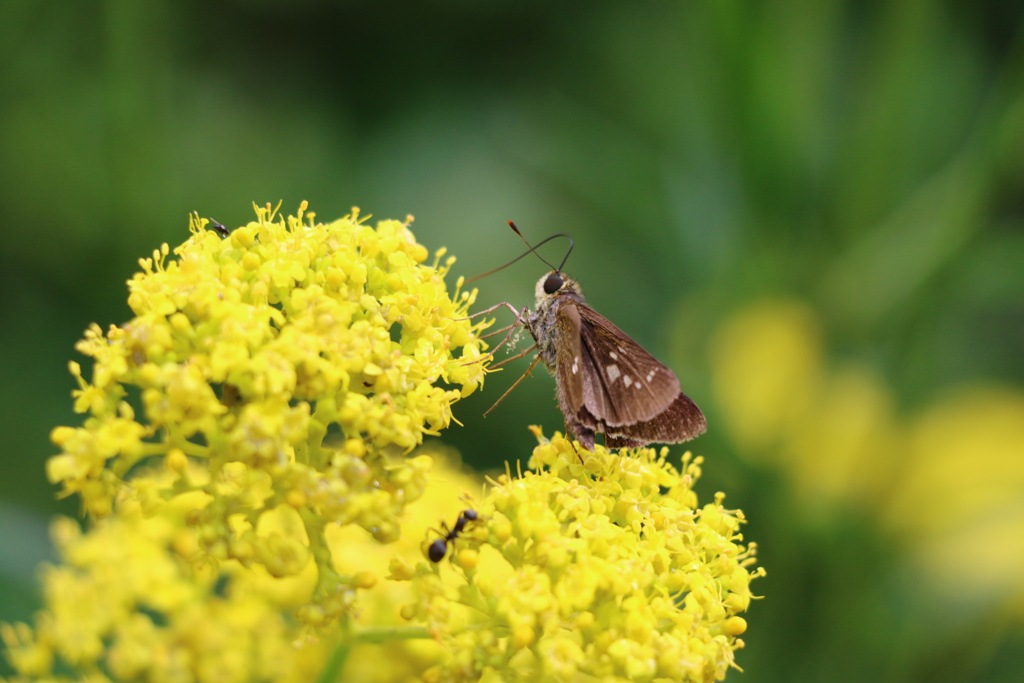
column 332, row 669
column 381, row 634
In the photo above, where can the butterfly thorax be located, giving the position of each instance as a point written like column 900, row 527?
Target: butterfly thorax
column 553, row 290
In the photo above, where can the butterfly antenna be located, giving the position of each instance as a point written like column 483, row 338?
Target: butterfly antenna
column 525, row 253
column 568, row 251
column 561, row 234
column 513, row 226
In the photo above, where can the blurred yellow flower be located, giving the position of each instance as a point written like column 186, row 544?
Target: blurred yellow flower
column 960, row 495
column 948, row 483
column 832, row 430
column 767, row 368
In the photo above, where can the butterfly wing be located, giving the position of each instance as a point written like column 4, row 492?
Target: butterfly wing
column 572, row 368
column 629, row 384
column 594, row 359
column 570, row 363
column 680, row 422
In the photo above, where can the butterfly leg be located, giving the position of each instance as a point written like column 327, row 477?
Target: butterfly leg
column 571, row 436
column 489, row 310
column 521, row 319
column 525, row 375
column 497, row 332
column 512, row 358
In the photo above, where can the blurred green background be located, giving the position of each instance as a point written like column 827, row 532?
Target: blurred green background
column 811, row 209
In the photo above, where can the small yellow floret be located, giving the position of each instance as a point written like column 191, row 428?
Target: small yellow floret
column 180, row 322
column 467, row 558
column 734, row 626
column 176, row 460
column 502, row 531
column 60, row 435
column 522, row 636
column 364, row 580
column 297, row 499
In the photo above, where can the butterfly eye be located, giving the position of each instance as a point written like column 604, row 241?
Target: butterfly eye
column 553, row 283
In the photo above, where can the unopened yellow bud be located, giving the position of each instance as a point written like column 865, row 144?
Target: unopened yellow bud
column 59, row 435
column 251, row 261
column 176, row 460
column 355, row 447
column 61, row 467
column 734, row 626
column 467, row 558
column 364, row 580
column 502, row 530
column 180, row 322
column 243, row 237
column 400, row 569
column 418, row 253
column 522, row 636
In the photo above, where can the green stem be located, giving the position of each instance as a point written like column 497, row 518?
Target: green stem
column 175, row 439
column 331, row 673
column 324, row 413
column 193, row 450
column 382, row 634
column 332, row 669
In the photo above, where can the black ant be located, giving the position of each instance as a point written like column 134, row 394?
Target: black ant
column 439, row 548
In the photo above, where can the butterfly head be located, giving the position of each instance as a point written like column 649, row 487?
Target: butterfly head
column 556, row 284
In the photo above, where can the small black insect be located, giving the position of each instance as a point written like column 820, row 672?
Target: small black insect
column 221, row 230
column 439, row 547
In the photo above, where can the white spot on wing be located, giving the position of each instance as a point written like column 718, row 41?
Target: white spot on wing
column 575, row 365
column 628, row 380
column 650, row 375
column 614, row 355
column 613, row 372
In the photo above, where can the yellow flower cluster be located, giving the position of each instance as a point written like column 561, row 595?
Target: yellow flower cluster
column 130, row 602
column 127, row 600
column 250, row 446
column 609, row 569
column 288, row 365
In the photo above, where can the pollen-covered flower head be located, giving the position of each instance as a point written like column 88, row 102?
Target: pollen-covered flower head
column 287, row 364
column 611, row 570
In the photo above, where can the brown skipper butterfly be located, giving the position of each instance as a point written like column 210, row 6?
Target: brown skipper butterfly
column 606, row 382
